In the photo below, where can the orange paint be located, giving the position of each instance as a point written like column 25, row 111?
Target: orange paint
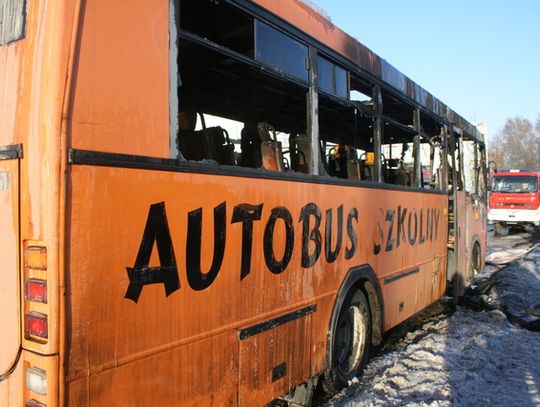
column 153, row 271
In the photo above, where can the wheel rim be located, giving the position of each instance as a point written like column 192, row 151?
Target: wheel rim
column 350, row 340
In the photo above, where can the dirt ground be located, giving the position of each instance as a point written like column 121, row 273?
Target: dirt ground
column 485, row 351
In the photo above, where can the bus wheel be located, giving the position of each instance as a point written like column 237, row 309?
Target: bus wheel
column 350, row 341
column 476, row 260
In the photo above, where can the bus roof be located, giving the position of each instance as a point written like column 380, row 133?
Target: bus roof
column 302, row 15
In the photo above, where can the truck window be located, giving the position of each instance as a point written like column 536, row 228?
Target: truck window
column 515, row 184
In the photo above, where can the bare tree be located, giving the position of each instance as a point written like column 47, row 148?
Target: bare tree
column 517, row 145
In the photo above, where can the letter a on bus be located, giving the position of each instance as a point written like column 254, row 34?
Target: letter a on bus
column 156, row 230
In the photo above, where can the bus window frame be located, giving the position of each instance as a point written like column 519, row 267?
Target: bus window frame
column 335, row 66
column 257, row 24
column 376, row 113
column 117, row 160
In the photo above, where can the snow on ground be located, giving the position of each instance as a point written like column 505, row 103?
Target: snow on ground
column 466, row 357
column 504, row 249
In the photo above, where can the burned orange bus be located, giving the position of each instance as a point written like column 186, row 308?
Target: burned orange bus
column 215, row 202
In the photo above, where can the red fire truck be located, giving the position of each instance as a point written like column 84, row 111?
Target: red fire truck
column 515, row 199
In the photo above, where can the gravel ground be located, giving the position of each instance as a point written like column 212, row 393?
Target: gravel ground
column 478, row 354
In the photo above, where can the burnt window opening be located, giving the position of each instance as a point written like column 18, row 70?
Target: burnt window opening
column 473, row 157
column 12, row 21
column 243, row 93
column 397, row 110
column 411, row 157
column 455, row 149
column 346, row 137
column 430, row 125
column 346, row 131
column 234, row 110
column 219, row 22
column 481, row 171
column 361, row 93
column 399, row 154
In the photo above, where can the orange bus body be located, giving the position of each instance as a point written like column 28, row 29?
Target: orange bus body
column 156, row 329
column 155, row 293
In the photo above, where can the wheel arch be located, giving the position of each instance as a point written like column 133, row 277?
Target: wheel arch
column 363, row 278
column 476, row 241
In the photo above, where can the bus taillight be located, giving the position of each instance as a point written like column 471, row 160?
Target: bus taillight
column 36, row 381
column 36, row 293
column 36, row 290
column 36, row 257
column 36, row 325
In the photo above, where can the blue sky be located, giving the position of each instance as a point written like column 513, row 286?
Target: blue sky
column 480, row 57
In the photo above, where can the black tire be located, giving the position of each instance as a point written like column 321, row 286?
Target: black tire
column 350, row 343
column 476, row 260
column 498, row 228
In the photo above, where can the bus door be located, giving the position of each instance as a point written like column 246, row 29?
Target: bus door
column 456, row 274
column 474, row 222
column 10, row 334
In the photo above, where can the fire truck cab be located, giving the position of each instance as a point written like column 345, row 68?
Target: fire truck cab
column 515, row 199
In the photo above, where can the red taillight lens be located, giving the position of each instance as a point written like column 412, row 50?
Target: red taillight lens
column 36, row 290
column 33, row 403
column 35, row 324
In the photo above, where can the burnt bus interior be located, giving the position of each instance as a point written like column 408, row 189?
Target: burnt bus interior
column 236, row 66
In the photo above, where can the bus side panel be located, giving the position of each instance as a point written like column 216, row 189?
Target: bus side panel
column 11, row 394
column 408, row 295
column 201, row 373
column 274, row 361
column 417, row 277
column 319, row 329
column 155, row 263
column 10, row 332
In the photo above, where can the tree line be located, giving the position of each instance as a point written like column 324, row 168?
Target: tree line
column 516, row 145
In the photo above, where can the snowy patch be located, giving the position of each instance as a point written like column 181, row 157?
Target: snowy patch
column 465, row 358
